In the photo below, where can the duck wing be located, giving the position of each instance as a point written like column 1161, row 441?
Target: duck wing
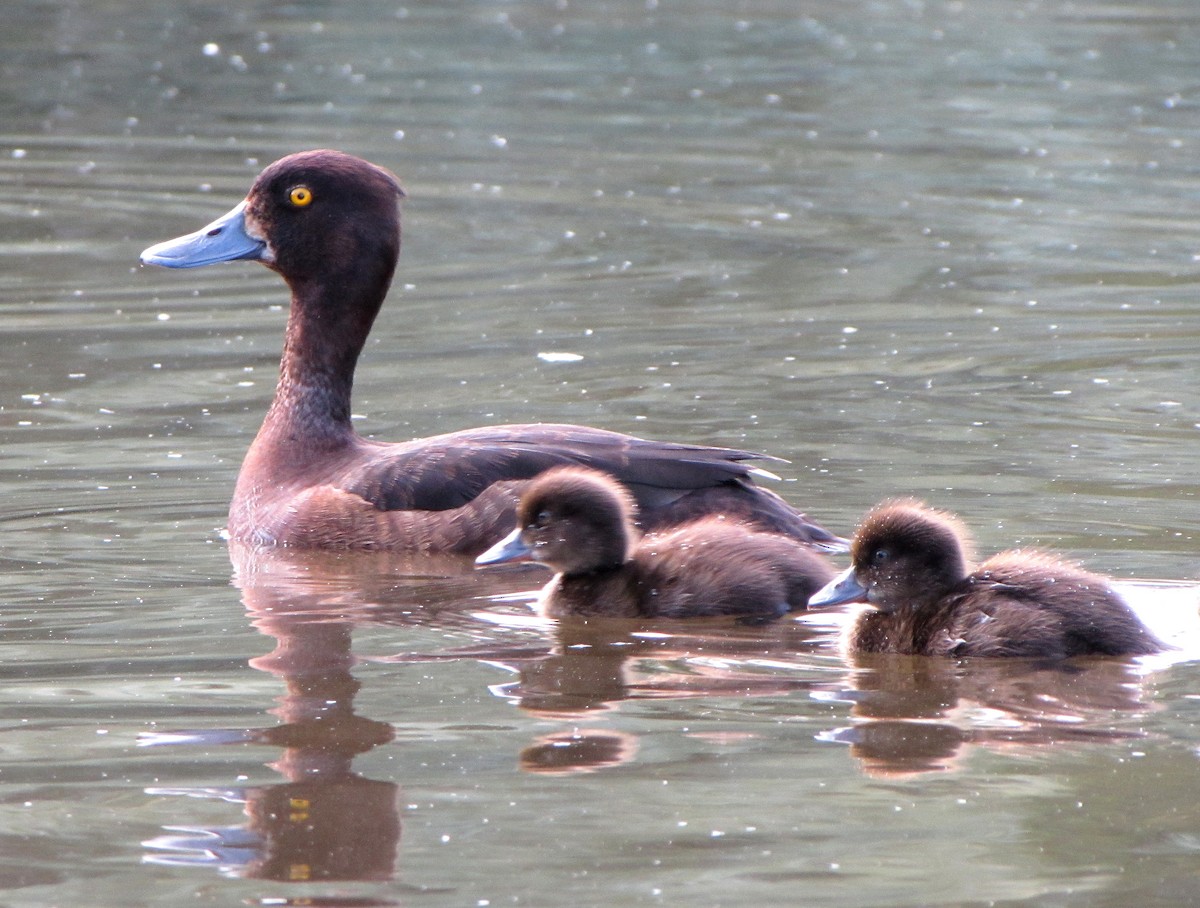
column 448, row 471
column 671, row 482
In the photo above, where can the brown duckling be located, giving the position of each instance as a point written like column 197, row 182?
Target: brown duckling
column 329, row 224
column 580, row 523
column 910, row 566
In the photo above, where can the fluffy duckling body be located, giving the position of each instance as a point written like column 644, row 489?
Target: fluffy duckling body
column 910, row 566
column 329, row 224
column 580, row 523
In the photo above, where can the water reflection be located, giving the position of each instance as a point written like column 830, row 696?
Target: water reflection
column 323, row 821
column 593, row 666
column 578, row 750
column 579, row 683
column 917, row 714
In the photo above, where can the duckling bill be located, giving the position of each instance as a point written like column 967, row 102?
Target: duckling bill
column 580, row 523
column 909, row 564
column 329, row 224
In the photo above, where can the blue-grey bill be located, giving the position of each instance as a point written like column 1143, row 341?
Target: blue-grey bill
column 842, row 588
column 224, row 240
column 510, row 548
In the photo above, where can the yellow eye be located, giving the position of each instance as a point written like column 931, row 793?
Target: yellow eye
column 300, row 196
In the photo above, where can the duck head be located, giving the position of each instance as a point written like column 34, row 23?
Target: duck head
column 571, row 519
column 307, row 215
column 904, row 555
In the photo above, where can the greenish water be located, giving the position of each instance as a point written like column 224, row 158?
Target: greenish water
column 916, row 248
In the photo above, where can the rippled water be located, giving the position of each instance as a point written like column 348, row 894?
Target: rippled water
column 926, row 248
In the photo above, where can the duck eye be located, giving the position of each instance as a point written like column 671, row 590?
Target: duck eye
column 881, row 555
column 300, row 196
column 542, row 518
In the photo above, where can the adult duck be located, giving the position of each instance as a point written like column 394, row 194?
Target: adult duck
column 909, row 564
column 581, row 524
column 329, row 224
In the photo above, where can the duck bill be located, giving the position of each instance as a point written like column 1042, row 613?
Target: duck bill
column 841, row 589
column 510, row 548
column 224, row 240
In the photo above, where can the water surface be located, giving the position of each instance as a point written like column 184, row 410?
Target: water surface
column 933, row 248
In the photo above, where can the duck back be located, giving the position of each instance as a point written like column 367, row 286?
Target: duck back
column 707, row 568
column 1024, row 603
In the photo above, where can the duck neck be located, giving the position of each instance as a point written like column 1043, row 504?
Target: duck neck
column 327, row 328
column 922, row 620
column 602, row 591
column 592, row 574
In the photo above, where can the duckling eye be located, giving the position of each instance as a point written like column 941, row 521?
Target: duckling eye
column 542, row 518
column 300, row 196
column 881, row 556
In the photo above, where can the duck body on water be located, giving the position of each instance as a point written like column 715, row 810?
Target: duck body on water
column 581, row 524
column 329, row 224
column 909, row 564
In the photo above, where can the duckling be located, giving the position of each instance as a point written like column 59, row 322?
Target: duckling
column 581, row 524
column 910, row 566
column 329, row 224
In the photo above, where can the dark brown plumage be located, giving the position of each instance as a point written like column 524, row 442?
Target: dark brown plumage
column 580, row 523
column 329, row 223
column 909, row 564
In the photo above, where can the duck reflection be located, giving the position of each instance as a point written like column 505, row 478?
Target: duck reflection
column 578, row 750
column 323, row 821
column 916, row 714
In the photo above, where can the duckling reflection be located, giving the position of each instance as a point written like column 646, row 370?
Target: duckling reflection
column 913, row 714
column 595, row 667
column 578, row 750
